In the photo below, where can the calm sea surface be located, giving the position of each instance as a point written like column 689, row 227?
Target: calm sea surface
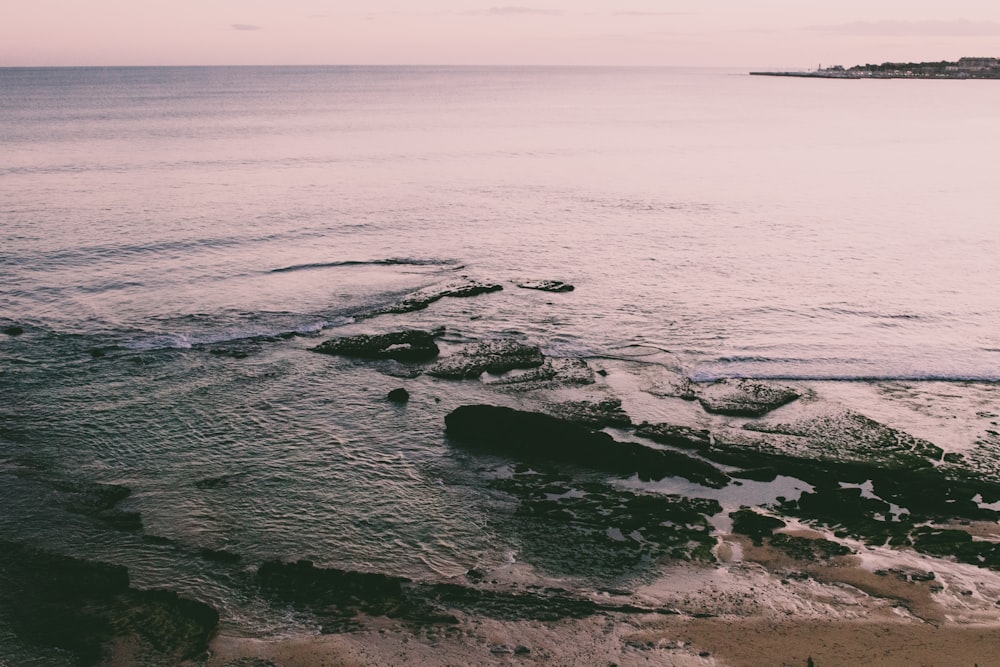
column 758, row 227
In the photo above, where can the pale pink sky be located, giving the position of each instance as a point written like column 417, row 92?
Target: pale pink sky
column 739, row 33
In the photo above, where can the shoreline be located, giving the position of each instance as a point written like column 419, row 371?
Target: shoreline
column 649, row 516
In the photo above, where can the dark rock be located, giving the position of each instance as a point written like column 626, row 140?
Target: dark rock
column 13, row 330
column 536, row 436
column 956, row 543
column 754, row 525
column 409, row 345
column 495, row 356
column 82, row 607
column 98, row 352
column 423, row 298
column 756, row 474
column 675, row 436
column 219, row 556
column 338, row 596
column 747, row 398
column 804, row 548
column 522, row 650
column 546, row 285
column 398, row 395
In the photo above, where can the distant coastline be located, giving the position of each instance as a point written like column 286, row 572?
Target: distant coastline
column 963, row 68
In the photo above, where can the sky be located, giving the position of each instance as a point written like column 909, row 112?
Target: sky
column 707, row 33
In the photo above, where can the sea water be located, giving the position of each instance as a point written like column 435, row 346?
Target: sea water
column 745, row 226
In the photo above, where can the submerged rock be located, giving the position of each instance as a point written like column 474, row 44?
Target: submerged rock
column 423, row 298
column 745, row 398
column 13, row 330
column 537, row 436
column 546, row 285
column 493, row 356
column 99, row 501
column 408, row 345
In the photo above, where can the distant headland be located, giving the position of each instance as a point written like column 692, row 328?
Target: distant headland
column 963, row 68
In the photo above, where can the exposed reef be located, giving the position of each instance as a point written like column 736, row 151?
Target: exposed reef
column 406, row 346
column 554, row 372
column 423, row 298
column 546, row 285
column 493, row 356
column 744, row 398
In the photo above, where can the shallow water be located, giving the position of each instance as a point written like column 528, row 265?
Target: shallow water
column 732, row 225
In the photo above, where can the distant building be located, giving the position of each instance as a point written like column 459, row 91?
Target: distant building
column 977, row 64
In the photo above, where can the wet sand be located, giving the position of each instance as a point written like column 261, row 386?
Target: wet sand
column 680, row 642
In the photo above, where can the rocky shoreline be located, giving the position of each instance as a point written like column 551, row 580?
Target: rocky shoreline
column 884, row 529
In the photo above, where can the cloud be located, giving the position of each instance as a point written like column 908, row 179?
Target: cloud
column 959, row 28
column 245, row 26
column 513, row 11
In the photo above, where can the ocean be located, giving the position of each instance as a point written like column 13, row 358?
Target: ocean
column 173, row 240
